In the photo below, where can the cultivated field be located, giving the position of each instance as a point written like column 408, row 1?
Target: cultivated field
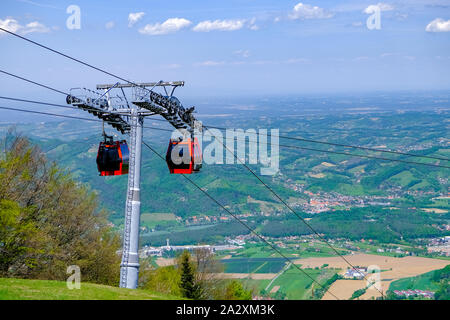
column 253, row 276
column 392, row 269
column 164, row 262
column 152, row 219
column 253, row 265
column 343, row 289
column 434, row 210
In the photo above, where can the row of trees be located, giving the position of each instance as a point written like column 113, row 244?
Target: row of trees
column 442, row 277
column 205, row 235
column 48, row 221
column 194, row 276
column 370, row 223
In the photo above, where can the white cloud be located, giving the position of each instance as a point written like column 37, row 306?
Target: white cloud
column 169, row 26
column 306, row 11
column 134, row 17
column 242, row 53
column 388, row 54
column 109, row 25
column 38, row 4
column 10, row 24
column 287, row 61
column 13, row 25
column 438, row 25
column 35, row 27
column 379, row 6
column 397, row 55
column 226, row 25
column 221, row 25
column 214, row 63
column 209, row 63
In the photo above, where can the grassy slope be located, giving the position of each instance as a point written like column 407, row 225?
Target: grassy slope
column 21, row 289
column 420, row 282
column 297, row 286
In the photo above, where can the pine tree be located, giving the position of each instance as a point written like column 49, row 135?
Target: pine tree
column 189, row 287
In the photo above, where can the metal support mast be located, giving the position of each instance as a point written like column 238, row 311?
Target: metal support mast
column 129, row 268
column 127, row 119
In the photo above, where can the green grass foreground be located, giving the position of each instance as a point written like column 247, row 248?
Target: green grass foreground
column 22, row 289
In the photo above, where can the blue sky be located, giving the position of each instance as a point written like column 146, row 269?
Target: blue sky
column 231, row 46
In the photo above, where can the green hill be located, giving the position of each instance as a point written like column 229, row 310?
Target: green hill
column 21, row 289
column 420, row 282
column 428, row 281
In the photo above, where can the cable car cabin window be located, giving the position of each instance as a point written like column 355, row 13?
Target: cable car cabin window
column 108, row 159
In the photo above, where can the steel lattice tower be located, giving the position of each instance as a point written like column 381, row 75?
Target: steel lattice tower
column 129, row 267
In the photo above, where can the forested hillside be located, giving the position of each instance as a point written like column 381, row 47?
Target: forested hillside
column 49, row 221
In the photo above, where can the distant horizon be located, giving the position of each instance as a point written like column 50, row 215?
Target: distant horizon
column 325, row 103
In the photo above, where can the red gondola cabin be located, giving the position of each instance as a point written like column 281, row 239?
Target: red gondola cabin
column 113, row 158
column 184, row 156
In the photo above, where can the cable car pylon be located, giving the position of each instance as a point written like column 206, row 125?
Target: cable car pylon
column 114, row 156
column 129, row 267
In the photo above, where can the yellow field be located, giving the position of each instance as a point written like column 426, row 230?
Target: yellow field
column 275, row 289
column 318, row 175
column 397, row 268
column 343, row 289
column 164, row 262
column 434, row 210
column 327, row 164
